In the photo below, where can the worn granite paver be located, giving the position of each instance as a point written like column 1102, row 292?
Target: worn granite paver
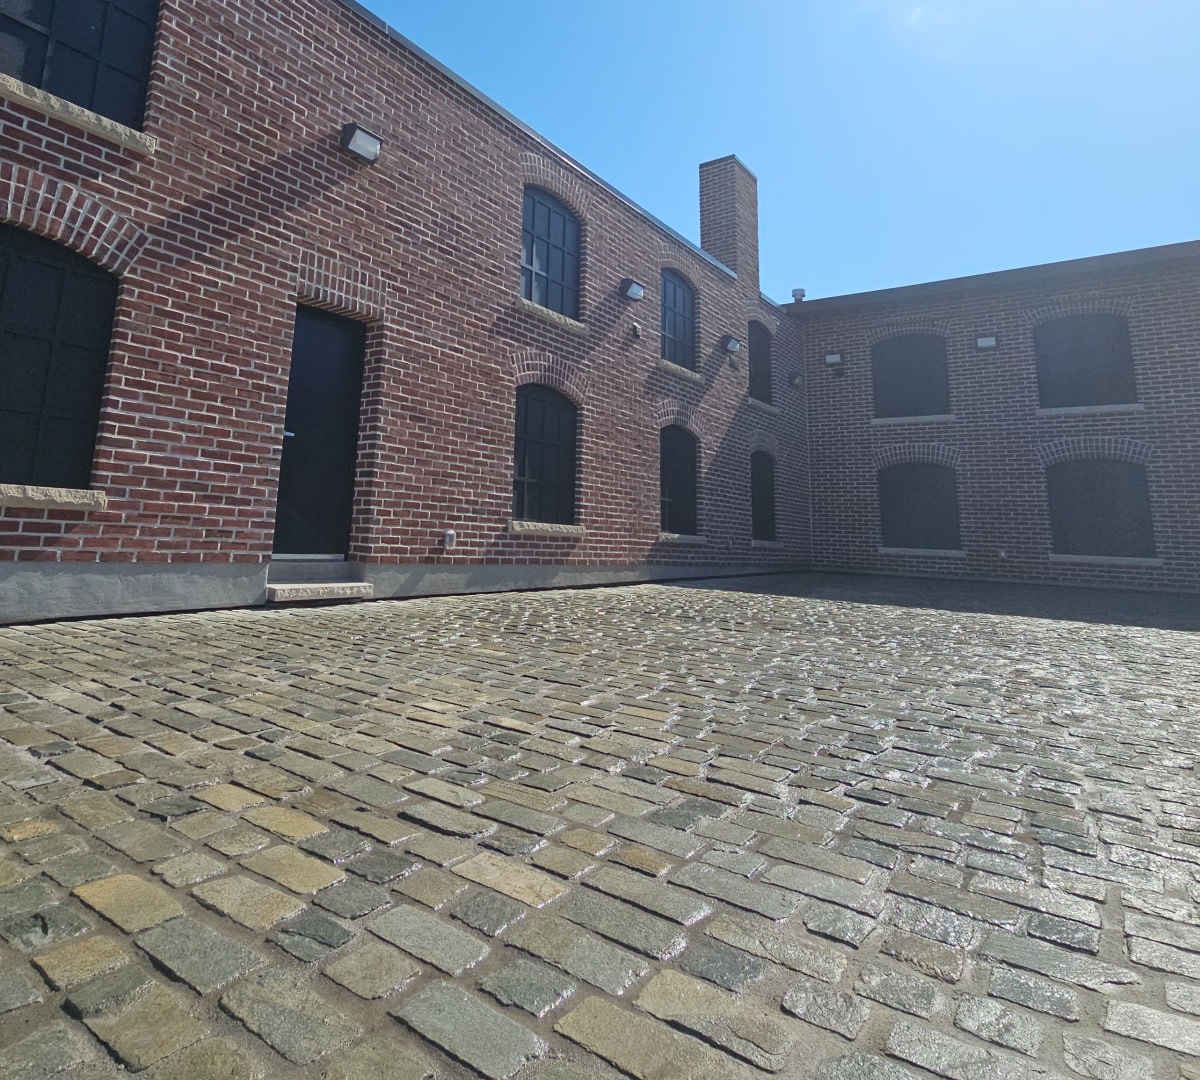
column 800, row 826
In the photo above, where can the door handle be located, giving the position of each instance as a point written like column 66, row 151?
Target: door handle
column 289, row 434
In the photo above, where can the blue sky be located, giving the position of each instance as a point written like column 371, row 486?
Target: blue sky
column 895, row 141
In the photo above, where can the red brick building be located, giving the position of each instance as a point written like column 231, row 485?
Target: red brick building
column 282, row 299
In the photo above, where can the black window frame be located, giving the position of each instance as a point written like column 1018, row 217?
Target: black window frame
column 545, row 461
column 918, row 507
column 759, row 365
column 678, row 321
column 762, row 496
column 910, row 376
column 93, row 53
column 551, row 237
column 678, row 481
column 1100, row 507
column 56, row 317
column 1084, row 360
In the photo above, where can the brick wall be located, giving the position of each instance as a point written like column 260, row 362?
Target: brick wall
column 248, row 206
column 998, row 438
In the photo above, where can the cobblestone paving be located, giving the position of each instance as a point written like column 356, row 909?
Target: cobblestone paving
column 668, row 832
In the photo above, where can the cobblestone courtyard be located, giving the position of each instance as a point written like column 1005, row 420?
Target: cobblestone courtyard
column 794, row 827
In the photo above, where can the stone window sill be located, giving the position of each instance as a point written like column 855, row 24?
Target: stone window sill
column 68, row 112
column 932, row 418
column 938, row 553
column 31, row 497
column 564, row 322
column 768, row 545
column 678, row 370
column 519, row 527
column 681, row 538
column 1094, row 410
column 1105, row 560
column 763, row 406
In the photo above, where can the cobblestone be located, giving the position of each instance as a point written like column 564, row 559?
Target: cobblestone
column 958, row 841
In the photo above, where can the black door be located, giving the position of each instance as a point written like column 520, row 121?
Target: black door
column 316, row 474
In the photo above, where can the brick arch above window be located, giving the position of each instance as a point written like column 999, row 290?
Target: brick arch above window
column 1103, row 305
column 670, row 412
column 924, row 453
column 764, row 441
column 326, row 281
column 1093, row 446
column 549, row 369
column 69, row 216
column 536, row 171
column 905, row 327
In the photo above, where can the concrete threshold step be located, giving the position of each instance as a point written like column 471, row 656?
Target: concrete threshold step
column 296, row 592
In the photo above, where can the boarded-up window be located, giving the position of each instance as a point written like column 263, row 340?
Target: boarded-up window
column 544, row 456
column 1084, row 360
column 909, row 376
column 762, row 495
column 678, row 343
column 550, row 253
column 760, row 363
column 1099, row 506
column 56, row 314
column 677, row 480
column 918, row 506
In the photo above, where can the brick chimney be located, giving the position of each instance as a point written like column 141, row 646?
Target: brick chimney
column 729, row 216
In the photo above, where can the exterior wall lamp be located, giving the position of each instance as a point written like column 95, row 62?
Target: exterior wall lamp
column 632, row 290
column 361, row 143
column 732, row 345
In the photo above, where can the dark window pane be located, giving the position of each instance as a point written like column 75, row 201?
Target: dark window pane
column 918, row 506
column 760, row 363
column 762, row 495
column 56, row 312
column 549, row 253
column 1084, row 360
column 80, row 24
column 22, row 51
column 544, row 456
column 909, row 375
column 677, row 480
column 1100, row 507
column 95, row 53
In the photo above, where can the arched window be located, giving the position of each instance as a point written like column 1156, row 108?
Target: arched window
column 909, row 376
column 550, row 253
column 56, row 314
column 1084, row 360
column 677, row 462
column 1099, row 506
column 762, row 495
column 678, row 321
column 94, row 53
column 760, row 363
column 918, row 506
column 544, row 456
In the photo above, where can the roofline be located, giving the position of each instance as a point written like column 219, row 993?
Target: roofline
column 562, row 155
column 1000, row 279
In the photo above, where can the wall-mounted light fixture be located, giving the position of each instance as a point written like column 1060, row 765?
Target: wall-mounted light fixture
column 732, row 344
column 363, row 144
column 833, row 359
column 632, row 290
column 794, row 378
column 987, row 342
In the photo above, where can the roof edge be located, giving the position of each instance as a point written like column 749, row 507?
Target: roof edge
column 998, row 279
column 562, row 155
